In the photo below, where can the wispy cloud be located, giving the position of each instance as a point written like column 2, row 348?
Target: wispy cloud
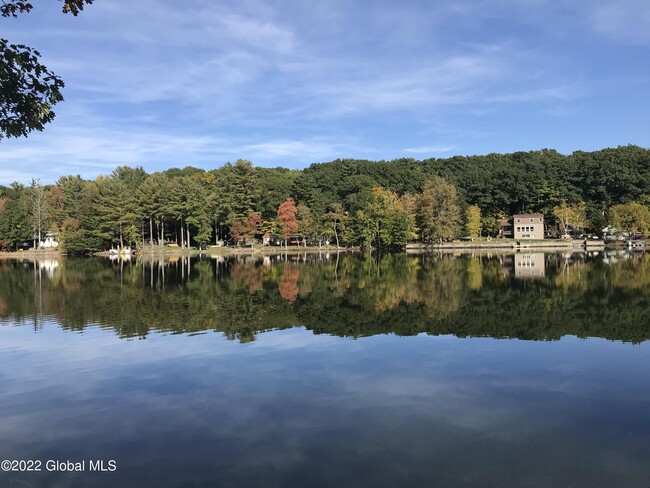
column 92, row 151
column 429, row 149
column 290, row 82
column 627, row 21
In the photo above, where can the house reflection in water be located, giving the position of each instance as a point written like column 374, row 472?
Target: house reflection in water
column 524, row 266
column 530, row 265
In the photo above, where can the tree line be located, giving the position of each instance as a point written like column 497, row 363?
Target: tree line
column 344, row 202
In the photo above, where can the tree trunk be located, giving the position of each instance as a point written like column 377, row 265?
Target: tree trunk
column 151, row 230
column 336, row 235
column 187, row 228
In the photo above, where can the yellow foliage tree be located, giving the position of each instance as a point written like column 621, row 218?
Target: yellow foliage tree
column 571, row 215
column 473, row 221
column 630, row 217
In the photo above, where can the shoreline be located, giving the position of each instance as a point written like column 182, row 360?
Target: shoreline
column 512, row 245
column 414, row 248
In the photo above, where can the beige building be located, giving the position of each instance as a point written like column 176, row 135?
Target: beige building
column 528, row 226
column 529, row 266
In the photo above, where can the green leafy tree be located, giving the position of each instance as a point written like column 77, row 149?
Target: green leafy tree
column 152, row 196
column 72, row 208
column 337, row 222
column 115, row 207
column 15, row 225
column 237, row 190
column 308, row 226
column 29, row 89
column 491, row 223
column 198, row 217
column 275, row 186
column 37, row 209
column 383, row 220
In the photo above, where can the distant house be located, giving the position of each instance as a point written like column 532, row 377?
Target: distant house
column 523, row 226
column 505, row 228
column 49, row 242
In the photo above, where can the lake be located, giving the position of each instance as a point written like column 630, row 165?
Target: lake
column 486, row 370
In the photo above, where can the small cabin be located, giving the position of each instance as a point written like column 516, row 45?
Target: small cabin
column 49, row 241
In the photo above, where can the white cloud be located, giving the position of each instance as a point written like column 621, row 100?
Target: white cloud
column 148, row 82
column 429, row 149
column 92, row 151
column 625, row 20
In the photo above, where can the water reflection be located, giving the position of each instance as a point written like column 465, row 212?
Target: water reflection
column 302, row 407
column 525, row 295
column 530, row 266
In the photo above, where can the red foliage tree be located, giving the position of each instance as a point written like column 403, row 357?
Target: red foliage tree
column 253, row 225
column 288, row 285
column 287, row 213
column 237, row 230
column 246, row 229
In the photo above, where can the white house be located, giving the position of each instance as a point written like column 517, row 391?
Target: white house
column 49, row 242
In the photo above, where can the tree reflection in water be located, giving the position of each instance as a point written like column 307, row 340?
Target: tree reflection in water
column 599, row 295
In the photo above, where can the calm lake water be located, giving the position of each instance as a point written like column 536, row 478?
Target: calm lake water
column 526, row 370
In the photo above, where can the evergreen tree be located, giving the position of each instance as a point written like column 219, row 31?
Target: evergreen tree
column 115, row 206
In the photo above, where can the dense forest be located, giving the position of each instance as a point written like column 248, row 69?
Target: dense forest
column 343, row 202
column 342, row 294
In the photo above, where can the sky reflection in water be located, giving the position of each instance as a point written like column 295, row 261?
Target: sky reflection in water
column 297, row 409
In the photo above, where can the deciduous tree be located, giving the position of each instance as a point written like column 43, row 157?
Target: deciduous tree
column 571, row 215
column 473, row 221
column 438, row 213
column 288, row 223
column 633, row 218
column 29, row 89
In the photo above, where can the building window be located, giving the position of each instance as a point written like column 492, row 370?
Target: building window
column 531, row 220
column 518, row 220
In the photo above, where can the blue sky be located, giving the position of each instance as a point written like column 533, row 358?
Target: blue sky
column 161, row 83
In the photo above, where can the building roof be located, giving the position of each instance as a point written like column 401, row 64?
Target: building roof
column 528, row 216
